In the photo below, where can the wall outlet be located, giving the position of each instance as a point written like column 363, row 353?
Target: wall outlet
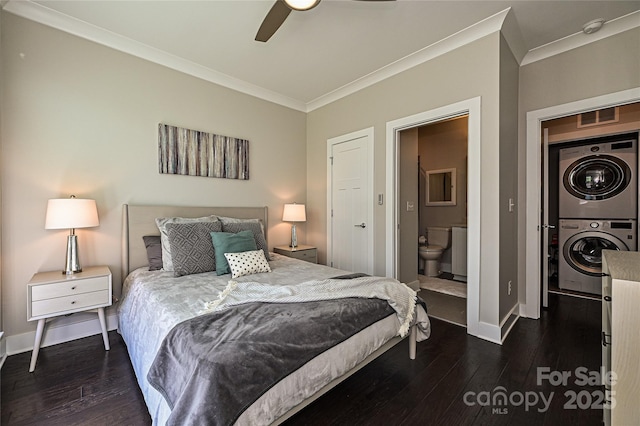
column 409, row 206
column 509, row 289
column 380, row 199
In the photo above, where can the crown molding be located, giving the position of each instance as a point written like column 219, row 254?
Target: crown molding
column 46, row 16
column 610, row 28
column 513, row 36
column 465, row 36
column 502, row 21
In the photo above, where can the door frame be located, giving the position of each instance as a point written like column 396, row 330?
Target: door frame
column 472, row 108
column 535, row 147
column 368, row 134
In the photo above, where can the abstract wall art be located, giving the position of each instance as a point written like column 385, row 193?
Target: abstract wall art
column 195, row 153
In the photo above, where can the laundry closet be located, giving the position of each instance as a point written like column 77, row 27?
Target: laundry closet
column 592, row 191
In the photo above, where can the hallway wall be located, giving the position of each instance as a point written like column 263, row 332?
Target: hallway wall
column 408, row 217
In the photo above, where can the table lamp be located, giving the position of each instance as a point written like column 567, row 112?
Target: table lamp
column 71, row 213
column 294, row 213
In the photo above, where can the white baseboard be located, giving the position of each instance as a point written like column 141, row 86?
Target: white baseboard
column 59, row 333
column 526, row 312
column 509, row 321
column 3, row 353
column 490, row 332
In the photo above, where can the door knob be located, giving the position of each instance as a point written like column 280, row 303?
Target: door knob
column 362, row 225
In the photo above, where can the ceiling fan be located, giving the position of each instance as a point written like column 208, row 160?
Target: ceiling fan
column 279, row 12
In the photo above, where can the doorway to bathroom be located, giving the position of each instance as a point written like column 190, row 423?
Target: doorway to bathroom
column 402, row 223
column 441, row 194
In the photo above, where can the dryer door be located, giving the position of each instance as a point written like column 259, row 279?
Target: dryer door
column 583, row 251
column 597, row 177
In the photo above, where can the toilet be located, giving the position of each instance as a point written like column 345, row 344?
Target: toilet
column 438, row 240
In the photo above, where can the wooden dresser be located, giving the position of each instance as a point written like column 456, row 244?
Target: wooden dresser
column 621, row 335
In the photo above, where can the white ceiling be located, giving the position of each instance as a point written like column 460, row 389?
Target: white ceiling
column 315, row 53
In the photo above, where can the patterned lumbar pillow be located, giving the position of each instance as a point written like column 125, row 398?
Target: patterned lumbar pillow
column 192, row 251
column 247, row 263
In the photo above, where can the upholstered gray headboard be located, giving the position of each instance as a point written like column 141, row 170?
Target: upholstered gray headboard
column 138, row 221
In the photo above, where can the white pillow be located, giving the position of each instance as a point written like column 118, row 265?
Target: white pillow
column 247, row 263
column 161, row 222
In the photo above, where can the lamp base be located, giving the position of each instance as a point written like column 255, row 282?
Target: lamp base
column 72, row 263
column 294, row 237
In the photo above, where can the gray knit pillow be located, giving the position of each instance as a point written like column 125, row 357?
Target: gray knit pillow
column 162, row 222
column 192, row 251
column 255, row 228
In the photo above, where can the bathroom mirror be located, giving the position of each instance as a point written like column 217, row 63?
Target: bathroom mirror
column 441, row 187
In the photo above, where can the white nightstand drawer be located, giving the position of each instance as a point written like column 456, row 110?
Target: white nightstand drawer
column 76, row 302
column 69, row 288
column 302, row 252
column 308, row 255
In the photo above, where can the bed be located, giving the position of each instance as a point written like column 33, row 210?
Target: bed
column 156, row 306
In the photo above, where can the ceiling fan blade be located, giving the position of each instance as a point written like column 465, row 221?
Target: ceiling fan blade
column 274, row 19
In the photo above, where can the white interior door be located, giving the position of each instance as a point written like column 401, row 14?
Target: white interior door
column 350, row 216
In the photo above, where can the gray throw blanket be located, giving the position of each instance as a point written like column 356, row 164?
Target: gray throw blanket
column 212, row 367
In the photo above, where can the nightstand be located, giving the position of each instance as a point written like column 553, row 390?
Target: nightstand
column 52, row 294
column 302, row 252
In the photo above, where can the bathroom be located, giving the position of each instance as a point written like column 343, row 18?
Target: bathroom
column 442, row 217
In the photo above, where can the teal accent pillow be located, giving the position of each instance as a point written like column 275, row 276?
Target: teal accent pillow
column 227, row 242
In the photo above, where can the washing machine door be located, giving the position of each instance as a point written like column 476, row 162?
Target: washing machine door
column 597, row 177
column 583, row 251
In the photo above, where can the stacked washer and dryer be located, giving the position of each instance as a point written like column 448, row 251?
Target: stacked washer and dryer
column 598, row 209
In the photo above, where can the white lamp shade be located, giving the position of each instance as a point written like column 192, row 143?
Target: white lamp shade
column 67, row 213
column 294, row 213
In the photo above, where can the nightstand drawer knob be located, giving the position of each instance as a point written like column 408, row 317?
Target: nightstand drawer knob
column 73, row 302
column 73, row 288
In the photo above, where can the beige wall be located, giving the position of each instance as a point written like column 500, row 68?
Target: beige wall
column 79, row 118
column 508, row 180
column 465, row 73
column 605, row 66
column 408, row 218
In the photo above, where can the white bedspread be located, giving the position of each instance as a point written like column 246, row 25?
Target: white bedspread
column 400, row 297
column 154, row 302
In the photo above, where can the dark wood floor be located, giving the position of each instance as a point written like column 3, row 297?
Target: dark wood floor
column 79, row 383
